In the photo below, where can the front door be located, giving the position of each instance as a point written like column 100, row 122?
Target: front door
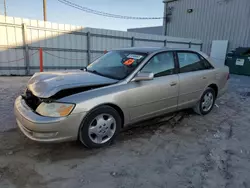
column 157, row 96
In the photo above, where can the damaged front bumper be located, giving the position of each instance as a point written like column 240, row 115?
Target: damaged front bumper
column 46, row 129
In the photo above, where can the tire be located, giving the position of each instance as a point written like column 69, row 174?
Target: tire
column 100, row 127
column 199, row 108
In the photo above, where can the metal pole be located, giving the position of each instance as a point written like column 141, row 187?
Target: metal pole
column 165, row 42
column 88, row 48
column 132, row 41
column 5, row 11
column 41, row 59
column 166, row 14
column 26, row 49
column 44, row 10
column 165, row 18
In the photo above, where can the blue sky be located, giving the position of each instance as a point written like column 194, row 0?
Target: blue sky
column 60, row 13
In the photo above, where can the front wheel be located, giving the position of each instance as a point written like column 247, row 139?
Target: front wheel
column 100, row 127
column 206, row 103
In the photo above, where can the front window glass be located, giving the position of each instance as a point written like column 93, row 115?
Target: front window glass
column 116, row 64
column 161, row 64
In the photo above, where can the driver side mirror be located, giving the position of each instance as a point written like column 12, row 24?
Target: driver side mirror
column 143, row 76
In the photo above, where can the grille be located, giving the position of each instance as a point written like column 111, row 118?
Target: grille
column 31, row 100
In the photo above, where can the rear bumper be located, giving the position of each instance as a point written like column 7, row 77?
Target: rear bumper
column 46, row 129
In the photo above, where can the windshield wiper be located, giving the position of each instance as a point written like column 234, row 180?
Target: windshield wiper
column 100, row 74
column 95, row 72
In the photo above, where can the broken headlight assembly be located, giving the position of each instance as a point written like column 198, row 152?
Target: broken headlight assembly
column 55, row 109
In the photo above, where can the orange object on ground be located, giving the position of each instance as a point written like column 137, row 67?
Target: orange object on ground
column 129, row 62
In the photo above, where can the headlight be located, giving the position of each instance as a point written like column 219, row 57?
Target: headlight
column 55, row 109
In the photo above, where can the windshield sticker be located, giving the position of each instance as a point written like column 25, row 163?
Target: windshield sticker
column 129, row 62
column 134, row 56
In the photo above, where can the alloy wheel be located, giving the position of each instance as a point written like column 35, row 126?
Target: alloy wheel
column 207, row 101
column 102, row 128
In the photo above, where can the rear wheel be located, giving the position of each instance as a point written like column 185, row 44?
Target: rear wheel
column 206, row 103
column 100, row 127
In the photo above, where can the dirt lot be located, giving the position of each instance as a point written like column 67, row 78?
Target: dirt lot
column 188, row 151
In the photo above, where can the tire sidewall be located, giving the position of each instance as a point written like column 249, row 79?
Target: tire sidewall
column 84, row 128
column 200, row 105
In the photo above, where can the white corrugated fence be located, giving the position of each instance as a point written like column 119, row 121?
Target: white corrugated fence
column 66, row 46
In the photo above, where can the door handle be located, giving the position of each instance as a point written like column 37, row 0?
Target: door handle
column 204, row 77
column 173, row 83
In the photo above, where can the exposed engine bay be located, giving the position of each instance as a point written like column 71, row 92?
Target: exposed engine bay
column 33, row 101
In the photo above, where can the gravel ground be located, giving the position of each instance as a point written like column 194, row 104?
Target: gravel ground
column 187, row 151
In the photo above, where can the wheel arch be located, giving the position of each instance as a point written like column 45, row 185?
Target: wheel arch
column 112, row 105
column 215, row 88
column 118, row 109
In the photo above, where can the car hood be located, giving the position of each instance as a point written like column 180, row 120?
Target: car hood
column 47, row 84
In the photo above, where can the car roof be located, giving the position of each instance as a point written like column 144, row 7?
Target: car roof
column 150, row 50
column 141, row 49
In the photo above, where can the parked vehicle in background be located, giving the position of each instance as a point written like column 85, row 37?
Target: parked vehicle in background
column 120, row 88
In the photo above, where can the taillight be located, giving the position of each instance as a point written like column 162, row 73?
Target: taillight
column 228, row 76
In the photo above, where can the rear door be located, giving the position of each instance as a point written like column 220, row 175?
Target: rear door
column 194, row 75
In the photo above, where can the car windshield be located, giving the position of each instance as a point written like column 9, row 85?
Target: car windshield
column 116, row 64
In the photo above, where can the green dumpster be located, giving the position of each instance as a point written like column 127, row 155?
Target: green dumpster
column 238, row 61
